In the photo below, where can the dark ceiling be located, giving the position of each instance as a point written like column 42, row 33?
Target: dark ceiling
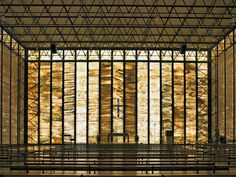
column 118, row 23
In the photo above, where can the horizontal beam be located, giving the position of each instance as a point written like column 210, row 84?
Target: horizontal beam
column 114, row 26
column 114, row 41
column 115, row 5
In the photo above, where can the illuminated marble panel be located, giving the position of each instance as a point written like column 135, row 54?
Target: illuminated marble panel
column 190, row 103
column 179, row 103
column 32, row 103
column 229, row 93
column 221, row 111
column 118, row 115
column 57, row 103
column 142, row 102
column 81, row 102
column 166, row 99
column 6, row 96
column 69, row 100
column 105, row 100
column 105, row 54
column 202, row 103
column 118, row 54
column 154, row 103
column 44, row 102
column 130, row 100
column 93, row 92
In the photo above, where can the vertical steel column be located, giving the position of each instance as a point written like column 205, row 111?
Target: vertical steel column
column 87, row 99
column 196, row 84
column 161, row 116
column 75, row 96
column 184, row 98
column 148, row 73
column 39, row 112
column 10, row 99
column 217, row 88
column 124, row 94
column 173, row 96
column 26, row 99
column 136, row 96
column 63, row 93
column 209, row 98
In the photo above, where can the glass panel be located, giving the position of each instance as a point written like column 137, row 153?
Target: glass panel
column 130, row 99
column 81, row 102
column 190, row 103
column 57, row 103
column 69, row 92
column 44, row 102
column 93, row 101
column 166, row 55
column 33, row 55
column 118, row 55
column 177, row 56
column 93, row 54
column 190, row 55
column 142, row 55
column 154, row 103
column 130, row 54
column 105, row 54
column 45, row 54
column 166, row 98
column 118, row 115
column 202, row 103
column 81, row 55
column 154, row 55
column 69, row 55
column 105, row 100
column 58, row 55
column 179, row 103
column 142, row 102
column 33, row 103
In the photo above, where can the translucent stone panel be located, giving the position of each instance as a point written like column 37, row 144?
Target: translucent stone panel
column 179, row 103
column 57, row 103
column 166, row 99
column 14, row 86
column 105, row 100
column 118, row 116
column 154, row 103
column 32, row 103
column 221, row 101
column 6, row 96
column 93, row 98
column 69, row 100
column 130, row 100
column 81, row 102
column 190, row 103
column 202, row 103
column 142, row 102
column 44, row 103
column 229, row 93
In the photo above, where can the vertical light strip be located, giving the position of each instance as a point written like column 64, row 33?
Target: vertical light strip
column 81, row 109
column 154, row 103
column 142, row 102
column 93, row 102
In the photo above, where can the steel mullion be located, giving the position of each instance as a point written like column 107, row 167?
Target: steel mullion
column 124, row 94
column 87, row 98
column 63, row 94
column 75, row 95
column 173, row 96
column 196, row 87
column 26, row 100
column 161, row 115
column 51, row 97
column 10, row 97
column 185, row 136
column 209, row 98
column 234, row 86
column 225, row 120
column 111, row 106
column 148, row 98
column 1, row 113
column 136, row 96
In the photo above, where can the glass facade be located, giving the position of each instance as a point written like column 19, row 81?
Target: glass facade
column 100, row 96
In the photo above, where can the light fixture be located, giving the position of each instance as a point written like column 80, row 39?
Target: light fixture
column 53, row 48
column 183, row 48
